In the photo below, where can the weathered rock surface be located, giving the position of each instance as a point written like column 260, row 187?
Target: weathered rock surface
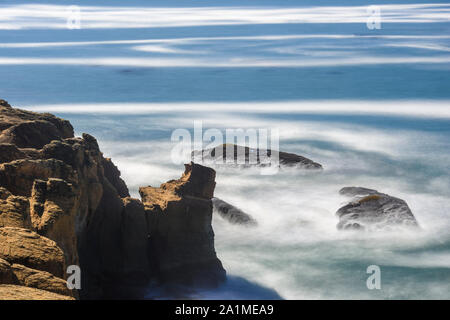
column 227, row 154
column 9, row 152
column 14, row 210
column 40, row 280
column 112, row 173
column 231, row 213
column 34, row 133
column 372, row 210
column 179, row 215
column 73, row 194
column 6, row 273
column 23, row 246
column 31, row 130
column 53, row 208
column 15, row 292
column 63, row 203
column 20, row 275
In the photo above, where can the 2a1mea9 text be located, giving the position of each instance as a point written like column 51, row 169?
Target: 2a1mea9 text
column 226, row 309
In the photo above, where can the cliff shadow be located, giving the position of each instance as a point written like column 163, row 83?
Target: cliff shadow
column 238, row 288
column 234, row 288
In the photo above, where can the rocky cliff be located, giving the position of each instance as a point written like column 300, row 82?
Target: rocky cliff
column 63, row 203
column 179, row 215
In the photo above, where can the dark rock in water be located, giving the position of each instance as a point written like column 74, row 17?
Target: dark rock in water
column 245, row 156
column 231, row 213
column 372, row 210
column 355, row 191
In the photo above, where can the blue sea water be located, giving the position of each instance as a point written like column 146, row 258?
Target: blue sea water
column 371, row 105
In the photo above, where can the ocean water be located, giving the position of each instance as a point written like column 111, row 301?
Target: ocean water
column 371, row 105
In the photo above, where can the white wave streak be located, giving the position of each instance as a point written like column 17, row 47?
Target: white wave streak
column 239, row 62
column 425, row 46
column 416, row 108
column 55, row 16
column 188, row 40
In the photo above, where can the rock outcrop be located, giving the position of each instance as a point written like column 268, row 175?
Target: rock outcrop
column 232, row 214
column 23, row 246
column 14, row 210
column 15, row 292
column 372, row 210
column 6, row 273
column 40, row 280
column 179, row 215
column 229, row 154
column 63, row 203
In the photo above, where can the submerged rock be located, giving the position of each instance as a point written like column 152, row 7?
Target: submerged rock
column 356, row 191
column 372, row 210
column 245, row 156
column 231, row 213
column 63, row 203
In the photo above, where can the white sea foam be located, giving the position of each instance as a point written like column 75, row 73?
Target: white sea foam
column 413, row 108
column 242, row 62
column 296, row 251
column 188, row 40
column 26, row 16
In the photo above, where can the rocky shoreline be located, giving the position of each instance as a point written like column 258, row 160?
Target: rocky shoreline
column 62, row 203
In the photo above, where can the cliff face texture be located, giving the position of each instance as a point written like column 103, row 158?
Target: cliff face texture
column 179, row 217
column 62, row 203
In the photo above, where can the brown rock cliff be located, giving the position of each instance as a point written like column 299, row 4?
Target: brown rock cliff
column 179, row 215
column 63, row 203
